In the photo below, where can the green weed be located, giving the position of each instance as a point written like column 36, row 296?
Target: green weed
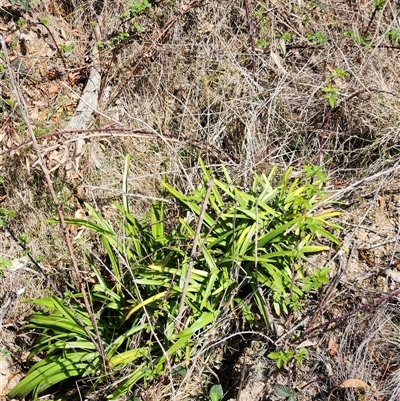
column 21, row 22
column 359, row 38
column 44, row 20
column 330, row 91
column 317, row 37
column 66, row 48
column 393, row 36
column 262, row 44
column 161, row 289
column 283, row 358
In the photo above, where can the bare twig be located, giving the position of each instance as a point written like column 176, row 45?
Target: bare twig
column 251, row 33
column 193, row 253
column 112, row 132
column 64, row 228
column 355, row 185
column 345, row 316
column 240, row 333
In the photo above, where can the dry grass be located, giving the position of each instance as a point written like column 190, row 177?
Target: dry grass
column 190, row 79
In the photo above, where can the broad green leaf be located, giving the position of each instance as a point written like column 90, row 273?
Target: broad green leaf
column 127, row 357
column 246, row 240
column 313, row 249
column 51, row 371
column 147, row 301
column 205, row 319
column 210, row 279
column 274, row 233
column 216, row 392
column 57, row 324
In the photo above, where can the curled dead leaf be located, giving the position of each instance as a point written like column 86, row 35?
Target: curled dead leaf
column 353, row 383
column 332, row 347
column 382, row 203
column 350, row 383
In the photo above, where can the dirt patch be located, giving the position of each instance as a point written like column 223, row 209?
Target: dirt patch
column 10, row 375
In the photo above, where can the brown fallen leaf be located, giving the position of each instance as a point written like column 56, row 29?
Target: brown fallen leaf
column 353, row 383
column 332, row 347
column 350, row 383
column 382, row 203
column 42, row 115
column 53, row 89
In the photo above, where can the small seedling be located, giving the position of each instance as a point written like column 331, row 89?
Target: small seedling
column 44, row 20
column 120, row 37
column 5, row 214
column 138, row 6
column 330, row 91
column 66, row 48
column 331, row 94
column 317, row 280
column 21, row 22
column 379, row 4
column 4, row 263
column 134, row 9
column 286, row 36
column 360, row 39
column 299, row 356
column 138, row 28
column 4, row 352
column 317, row 37
column 262, row 44
column 283, row 358
column 23, row 239
column 393, row 35
column 9, row 102
column 339, row 73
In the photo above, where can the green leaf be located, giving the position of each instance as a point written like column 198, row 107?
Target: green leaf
column 204, row 320
column 51, row 371
column 283, row 391
column 216, row 392
column 127, row 357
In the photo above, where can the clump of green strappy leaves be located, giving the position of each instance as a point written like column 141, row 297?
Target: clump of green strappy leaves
column 251, row 246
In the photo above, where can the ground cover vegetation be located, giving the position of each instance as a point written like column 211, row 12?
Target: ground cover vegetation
column 199, row 200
